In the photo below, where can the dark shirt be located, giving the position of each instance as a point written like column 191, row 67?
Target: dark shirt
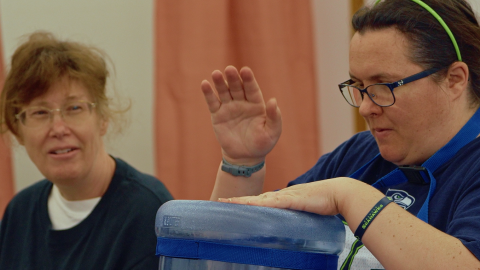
column 454, row 208
column 118, row 234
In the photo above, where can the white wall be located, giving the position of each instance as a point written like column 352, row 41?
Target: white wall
column 123, row 28
column 332, row 36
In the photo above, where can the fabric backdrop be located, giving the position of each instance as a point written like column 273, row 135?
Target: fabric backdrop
column 6, row 168
column 193, row 38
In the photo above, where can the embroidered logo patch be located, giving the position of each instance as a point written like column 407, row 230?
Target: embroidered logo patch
column 401, row 198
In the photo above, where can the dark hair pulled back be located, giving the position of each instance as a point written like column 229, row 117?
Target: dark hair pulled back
column 431, row 47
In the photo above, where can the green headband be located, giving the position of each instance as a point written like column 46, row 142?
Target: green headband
column 440, row 20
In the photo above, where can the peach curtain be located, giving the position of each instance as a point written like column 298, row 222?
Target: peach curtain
column 193, row 38
column 6, row 166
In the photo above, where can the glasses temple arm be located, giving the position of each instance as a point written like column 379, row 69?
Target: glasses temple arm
column 417, row 76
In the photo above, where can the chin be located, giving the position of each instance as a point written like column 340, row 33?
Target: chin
column 62, row 175
column 393, row 156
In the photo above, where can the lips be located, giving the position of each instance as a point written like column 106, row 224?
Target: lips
column 63, row 150
column 381, row 133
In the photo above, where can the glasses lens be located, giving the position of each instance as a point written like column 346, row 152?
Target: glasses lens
column 381, row 94
column 76, row 112
column 73, row 113
column 352, row 95
column 35, row 116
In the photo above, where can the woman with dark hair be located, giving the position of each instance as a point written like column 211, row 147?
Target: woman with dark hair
column 93, row 211
column 415, row 77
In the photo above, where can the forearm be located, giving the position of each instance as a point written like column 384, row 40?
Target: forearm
column 396, row 238
column 400, row 240
column 227, row 185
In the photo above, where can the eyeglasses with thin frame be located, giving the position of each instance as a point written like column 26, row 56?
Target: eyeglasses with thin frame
column 380, row 93
column 73, row 113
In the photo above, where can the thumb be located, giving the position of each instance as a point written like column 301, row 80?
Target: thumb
column 274, row 116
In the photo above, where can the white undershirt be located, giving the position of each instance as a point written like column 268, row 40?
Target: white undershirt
column 66, row 214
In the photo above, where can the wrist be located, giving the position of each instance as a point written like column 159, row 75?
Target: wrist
column 355, row 199
column 345, row 194
column 241, row 170
column 372, row 214
column 248, row 161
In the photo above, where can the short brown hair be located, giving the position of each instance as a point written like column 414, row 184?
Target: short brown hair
column 431, row 47
column 43, row 60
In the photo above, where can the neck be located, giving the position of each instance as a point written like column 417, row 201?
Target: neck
column 454, row 124
column 462, row 118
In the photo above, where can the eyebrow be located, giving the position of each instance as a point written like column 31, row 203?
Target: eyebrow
column 377, row 77
column 69, row 98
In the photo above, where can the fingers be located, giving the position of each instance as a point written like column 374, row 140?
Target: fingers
column 221, row 86
column 252, row 90
column 320, row 197
column 212, row 100
column 235, row 85
column 269, row 199
column 229, row 87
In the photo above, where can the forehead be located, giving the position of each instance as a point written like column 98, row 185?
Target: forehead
column 380, row 53
column 62, row 91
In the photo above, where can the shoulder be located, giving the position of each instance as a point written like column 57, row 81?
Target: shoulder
column 30, row 195
column 465, row 162
column 25, row 213
column 455, row 207
column 459, row 177
column 140, row 184
column 352, row 154
column 344, row 160
column 132, row 200
column 458, row 182
column 360, row 146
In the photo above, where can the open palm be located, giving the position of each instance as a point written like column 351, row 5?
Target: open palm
column 246, row 128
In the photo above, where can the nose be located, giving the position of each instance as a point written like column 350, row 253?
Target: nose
column 60, row 117
column 59, row 127
column 368, row 108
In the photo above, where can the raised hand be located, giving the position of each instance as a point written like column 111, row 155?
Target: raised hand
column 246, row 128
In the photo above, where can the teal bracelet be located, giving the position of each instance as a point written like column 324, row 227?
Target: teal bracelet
column 371, row 216
column 240, row 170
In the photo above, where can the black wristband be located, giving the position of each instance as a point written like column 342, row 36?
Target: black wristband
column 371, row 216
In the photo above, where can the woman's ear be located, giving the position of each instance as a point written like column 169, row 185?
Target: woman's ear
column 103, row 126
column 457, row 79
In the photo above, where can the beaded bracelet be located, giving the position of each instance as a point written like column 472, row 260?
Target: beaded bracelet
column 371, row 216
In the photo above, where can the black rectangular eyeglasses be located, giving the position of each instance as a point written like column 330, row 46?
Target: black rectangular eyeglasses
column 380, row 93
